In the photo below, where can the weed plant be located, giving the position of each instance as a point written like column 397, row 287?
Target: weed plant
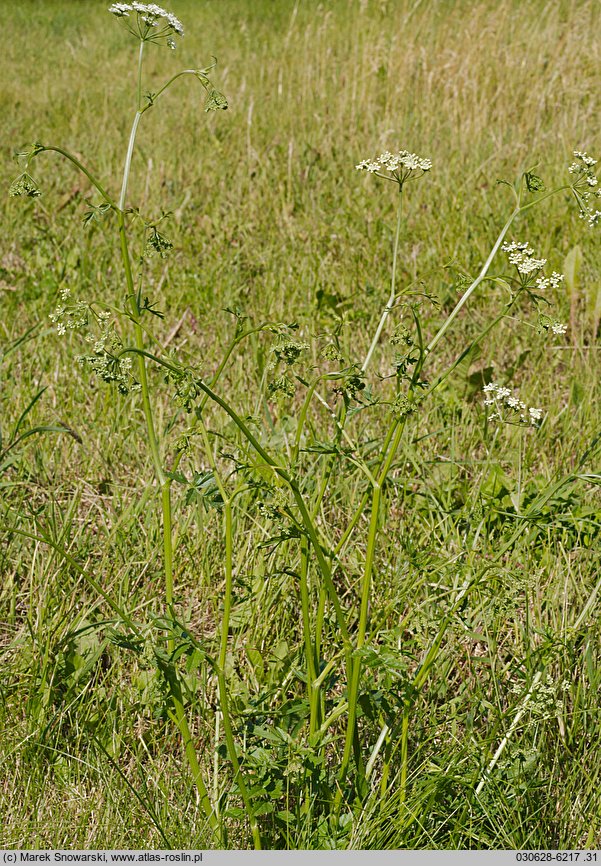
column 333, row 588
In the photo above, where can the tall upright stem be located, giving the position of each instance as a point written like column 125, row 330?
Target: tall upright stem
column 312, row 691
column 223, row 646
column 465, row 297
column 139, row 337
column 152, row 438
column 178, row 714
column 389, row 306
column 353, row 693
column 139, row 88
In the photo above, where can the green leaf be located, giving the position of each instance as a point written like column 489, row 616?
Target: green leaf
column 264, row 808
column 534, row 182
column 215, row 100
column 256, row 660
column 204, row 488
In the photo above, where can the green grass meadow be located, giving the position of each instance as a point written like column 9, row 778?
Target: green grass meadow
column 479, row 681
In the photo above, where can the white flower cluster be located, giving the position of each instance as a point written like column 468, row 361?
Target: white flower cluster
column 504, row 398
column 396, row 166
column 584, row 165
column 150, row 15
column 584, row 186
column 522, row 256
column 551, row 282
column 546, row 323
column 68, row 318
column 107, row 362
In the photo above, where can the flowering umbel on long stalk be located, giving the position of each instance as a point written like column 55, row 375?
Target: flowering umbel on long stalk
column 397, row 167
column 586, row 186
column 149, row 22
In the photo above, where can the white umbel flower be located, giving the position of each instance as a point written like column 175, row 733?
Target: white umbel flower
column 398, row 167
column 509, row 408
column 522, row 256
column 154, row 22
column 586, row 186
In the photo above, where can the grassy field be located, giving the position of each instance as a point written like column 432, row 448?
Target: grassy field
column 414, row 662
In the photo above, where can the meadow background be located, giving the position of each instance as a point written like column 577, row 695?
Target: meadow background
column 270, row 217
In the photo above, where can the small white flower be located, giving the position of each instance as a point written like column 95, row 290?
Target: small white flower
column 585, row 185
column 587, row 160
column 121, row 10
column 150, row 15
column 503, row 398
column 397, row 167
column 558, row 328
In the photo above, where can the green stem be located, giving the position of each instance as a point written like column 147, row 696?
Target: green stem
column 225, row 628
column 237, row 340
column 324, row 565
column 222, row 682
column 139, row 338
column 312, row 691
column 128, row 159
column 353, row 691
column 195, row 72
column 467, row 294
column 179, row 717
column 163, row 481
column 319, row 620
column 139, row 87
column 83, row 169
column 363, row 501
column 389, row 306
column 404, row 758
column 167, row 543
